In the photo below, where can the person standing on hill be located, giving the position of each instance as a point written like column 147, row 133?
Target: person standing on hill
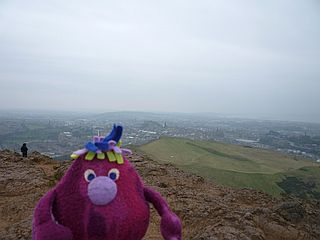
column 24, row 150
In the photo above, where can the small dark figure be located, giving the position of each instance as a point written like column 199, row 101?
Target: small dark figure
column 24, row 150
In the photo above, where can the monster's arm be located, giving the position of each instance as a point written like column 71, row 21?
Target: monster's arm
column 170, row 223
column 44, row 225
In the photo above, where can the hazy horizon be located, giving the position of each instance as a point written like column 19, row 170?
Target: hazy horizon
column 249, row 59
column 212, row 115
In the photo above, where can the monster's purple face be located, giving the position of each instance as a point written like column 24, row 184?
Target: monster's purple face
column 101, row 181
column 97, row 196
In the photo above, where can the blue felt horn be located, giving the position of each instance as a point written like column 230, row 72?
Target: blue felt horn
column 114, row 135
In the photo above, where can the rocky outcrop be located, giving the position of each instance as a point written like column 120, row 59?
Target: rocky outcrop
column 22, row 182
column 208, row 211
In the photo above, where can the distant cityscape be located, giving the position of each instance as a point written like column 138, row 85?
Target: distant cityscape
column 58, row 135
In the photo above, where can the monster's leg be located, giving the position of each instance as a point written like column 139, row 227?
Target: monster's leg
column 44, row 226
column 170, row 222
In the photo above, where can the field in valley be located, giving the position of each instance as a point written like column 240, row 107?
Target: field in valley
column 238, row 166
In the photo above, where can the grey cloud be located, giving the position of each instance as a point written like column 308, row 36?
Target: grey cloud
column 251, row 58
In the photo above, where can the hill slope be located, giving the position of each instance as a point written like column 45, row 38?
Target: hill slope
column 233, row 165
column 207, row 210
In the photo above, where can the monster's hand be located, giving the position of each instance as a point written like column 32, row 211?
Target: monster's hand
column 44, row 225
column 170, row 223
column 170, row 226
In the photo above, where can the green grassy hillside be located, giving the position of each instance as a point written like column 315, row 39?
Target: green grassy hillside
column 237, row 166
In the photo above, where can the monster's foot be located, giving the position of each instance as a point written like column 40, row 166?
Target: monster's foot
column 170, row 226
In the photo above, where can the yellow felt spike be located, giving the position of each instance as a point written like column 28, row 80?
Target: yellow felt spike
column 119, row 143
column 119, row 158
column 101, row 156
column 74, row 156
column 111, row 156
column 90, row 156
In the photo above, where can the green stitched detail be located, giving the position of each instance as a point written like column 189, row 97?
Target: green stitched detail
column 111, row 156
column 119, row 158
column 90, row 156
column 74, row 156
column 101, row 156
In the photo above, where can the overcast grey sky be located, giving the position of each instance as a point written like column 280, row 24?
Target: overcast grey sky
column 247, row 58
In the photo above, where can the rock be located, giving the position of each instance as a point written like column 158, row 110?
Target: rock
column 163, row 185
column 291, row 211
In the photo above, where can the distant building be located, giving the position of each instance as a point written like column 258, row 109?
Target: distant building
column 67, row 134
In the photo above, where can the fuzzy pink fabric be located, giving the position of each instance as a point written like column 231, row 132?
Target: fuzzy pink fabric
column 68, row 213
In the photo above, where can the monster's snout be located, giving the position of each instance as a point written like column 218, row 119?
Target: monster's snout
column 102, row 190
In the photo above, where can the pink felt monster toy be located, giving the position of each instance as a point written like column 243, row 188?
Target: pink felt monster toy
column 101, row 197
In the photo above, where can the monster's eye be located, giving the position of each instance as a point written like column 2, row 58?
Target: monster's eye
column 114, row 174
column 89, row 175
